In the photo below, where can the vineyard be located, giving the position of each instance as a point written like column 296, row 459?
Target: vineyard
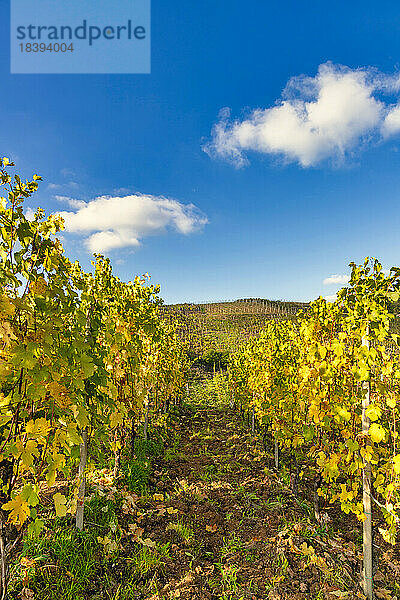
column 131, row 470
column 220, row 326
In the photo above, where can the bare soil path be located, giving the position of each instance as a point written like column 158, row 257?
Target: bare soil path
column 238, row 532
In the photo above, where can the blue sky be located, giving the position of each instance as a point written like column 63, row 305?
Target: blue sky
column 283, row 198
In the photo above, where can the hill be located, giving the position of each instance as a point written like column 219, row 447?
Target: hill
column 219, row 326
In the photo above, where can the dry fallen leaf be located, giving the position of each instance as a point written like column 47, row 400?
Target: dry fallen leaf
column 383, row 594
column 188, row 578
column 136, row 531
column 27, row 562
column 147, row 542
column 27, row 594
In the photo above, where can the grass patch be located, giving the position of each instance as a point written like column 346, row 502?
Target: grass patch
column 64, row 563
column 136, row 472
column 184, row 531
column 147, row 559
column 72, row 565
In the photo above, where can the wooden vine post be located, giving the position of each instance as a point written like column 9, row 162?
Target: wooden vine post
column 146, row 422
column 83, row 455
column 82, row 480
column 276, row 454
column 368, row 580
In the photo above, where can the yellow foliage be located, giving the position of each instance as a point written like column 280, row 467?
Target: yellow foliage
column 19, row 510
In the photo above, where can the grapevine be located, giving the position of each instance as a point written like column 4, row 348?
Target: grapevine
column 84, row 358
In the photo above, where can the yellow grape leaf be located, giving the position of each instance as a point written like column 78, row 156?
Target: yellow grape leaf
column 116, row 419
column 87, row 365
column 38, row 287
column 60, row 394
column 391, row 401
column 376, row 432
column 4, row 369
column 35, row 527
column 171, row 510
column 72, row 435
column 19, row 510
column 5, row 419
column 387, row 369
column 81, row 415
column 307, row 550
column 373, row 412
column 323, row 368
column 6, row 332
column 367, row 453
column 158, row 497
column 5, row 305
column 346, row 494
column 55, row 463
column 331, row 466
column 30, row 494
column 113, row 390
column 26, row 453
column 60, row 502
column 396, row 461
column 361, row 372
column 38, row 428
column 342, row 413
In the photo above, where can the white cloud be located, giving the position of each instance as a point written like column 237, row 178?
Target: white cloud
column 343, row 279
column 118, row 222
column 57, row 186
column 72, row 202
column 123, row 191
column 316, row 118
column 336, row 279
column 67, row 172
column 391, row 124
column 330, row 298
